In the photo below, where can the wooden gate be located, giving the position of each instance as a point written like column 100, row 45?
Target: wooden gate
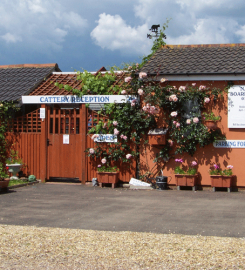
column 65, row 153
column 43, row 145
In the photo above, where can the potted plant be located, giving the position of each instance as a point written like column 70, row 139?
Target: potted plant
column 186, row 178
column 4, row 177
column 157, row 136
column 211, row 120
column 14, row 163
column 221, row 178
column 107, row 174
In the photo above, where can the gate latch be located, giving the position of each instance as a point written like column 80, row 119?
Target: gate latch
column 49, row 142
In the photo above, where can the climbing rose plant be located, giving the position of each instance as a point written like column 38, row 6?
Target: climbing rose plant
column 180, row 110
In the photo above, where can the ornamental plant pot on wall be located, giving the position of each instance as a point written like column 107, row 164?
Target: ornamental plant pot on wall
column 107, row 178
column 157, row 136
column 221, row 181
column 186, row 180
column 211, row 124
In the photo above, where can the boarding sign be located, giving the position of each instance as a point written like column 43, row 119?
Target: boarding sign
column 236, row 107
column 229, row 144
column 71, row 99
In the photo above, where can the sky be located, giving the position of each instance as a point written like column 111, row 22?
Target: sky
column 87, row 35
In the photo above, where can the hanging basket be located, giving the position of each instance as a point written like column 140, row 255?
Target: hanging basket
column 211, row 124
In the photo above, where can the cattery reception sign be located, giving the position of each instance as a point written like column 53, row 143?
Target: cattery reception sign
column 236, row 107
column 229, row 144
column 76, row 100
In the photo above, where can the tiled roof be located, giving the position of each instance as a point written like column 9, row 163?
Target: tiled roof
column 18, row 80
column 197, row 59
column 48, row 88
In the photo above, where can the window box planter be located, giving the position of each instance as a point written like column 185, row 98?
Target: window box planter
column 157, row 136
column 186, row 180
column 221, row 181
column 107, row 178
column 210, row 124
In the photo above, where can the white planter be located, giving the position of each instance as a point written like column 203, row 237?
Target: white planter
column 14, row 167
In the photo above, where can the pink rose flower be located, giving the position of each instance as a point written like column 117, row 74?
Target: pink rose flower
column 230, row 167
column 202, row 87
column 115, row 123
column 170, row 142
column 125, row 137
column 128, row 156
column 163, row 80
column 91, row 150
column 206, row 100
column 128, row 79
column 174, row 122
column 116, row 132
column 188, row 121
column 142, row 75
column 132, row 104
column 182, row 88
column 103, row 161
column 177, row 124
column 193, row 84
column 124, row 92
column 173, row 98
column 174, row 114
column 99, row 166
column 195, row 120
column 140, row 92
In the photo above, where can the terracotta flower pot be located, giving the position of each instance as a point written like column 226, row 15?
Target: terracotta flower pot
column 186, row 180
column 4, row 183
column 157, row 139
column 211, row 124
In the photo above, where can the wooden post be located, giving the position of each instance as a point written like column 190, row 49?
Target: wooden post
column 83, row 132
column 43, row 146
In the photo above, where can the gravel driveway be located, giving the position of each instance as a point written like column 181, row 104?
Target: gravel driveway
column 78, row 227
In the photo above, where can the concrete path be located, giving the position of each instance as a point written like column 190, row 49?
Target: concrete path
column 158, row 211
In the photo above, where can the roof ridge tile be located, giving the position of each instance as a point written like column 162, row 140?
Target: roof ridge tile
column 30, row 65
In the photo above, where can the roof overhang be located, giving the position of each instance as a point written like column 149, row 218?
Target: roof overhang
column 202, row 77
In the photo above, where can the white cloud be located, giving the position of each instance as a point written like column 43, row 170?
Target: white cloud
column 9, row 38
column 39, row 24
column 194, row 22
column 241, row 33
column 113, row 33
column 35, row 6
column 206, row 31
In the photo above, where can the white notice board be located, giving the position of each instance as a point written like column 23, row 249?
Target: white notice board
column 236, row 107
